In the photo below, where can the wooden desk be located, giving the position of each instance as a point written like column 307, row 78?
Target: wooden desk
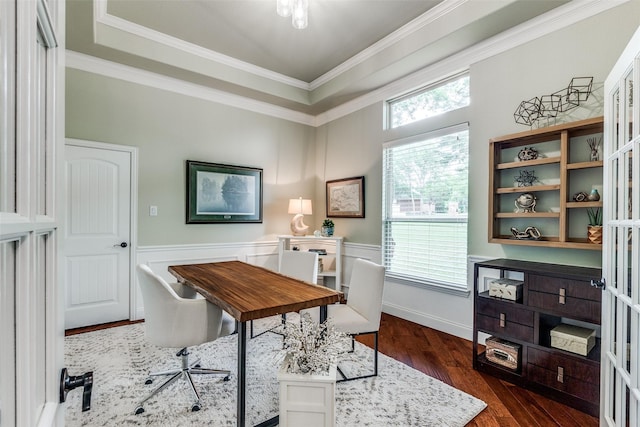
column 249, row 292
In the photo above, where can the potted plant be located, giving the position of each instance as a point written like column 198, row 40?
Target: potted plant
column 307, row 375
column 327, row 228
column 594, row 229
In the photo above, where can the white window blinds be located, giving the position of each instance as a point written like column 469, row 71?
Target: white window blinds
column 425, row 205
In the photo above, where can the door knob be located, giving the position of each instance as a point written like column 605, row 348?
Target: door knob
column 122, row 245
column 602, row 283
column 68, row 383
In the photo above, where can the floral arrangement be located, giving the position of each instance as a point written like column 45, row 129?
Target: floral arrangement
column 312, row 347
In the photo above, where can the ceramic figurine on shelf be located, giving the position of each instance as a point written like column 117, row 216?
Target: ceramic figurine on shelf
column 526, row 202
column 528, row 233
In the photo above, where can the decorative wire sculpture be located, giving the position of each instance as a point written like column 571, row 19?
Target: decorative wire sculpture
column 526, row 178
column 548, row 106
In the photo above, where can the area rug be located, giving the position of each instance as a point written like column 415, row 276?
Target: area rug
column 120, row 359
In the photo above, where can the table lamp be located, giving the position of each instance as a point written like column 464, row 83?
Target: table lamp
column 300, row 207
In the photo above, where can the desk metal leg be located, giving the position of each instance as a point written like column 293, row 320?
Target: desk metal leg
column 242, row 374
column 323, row 313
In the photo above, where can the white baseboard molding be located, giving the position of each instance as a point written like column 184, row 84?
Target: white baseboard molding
column 433, row 322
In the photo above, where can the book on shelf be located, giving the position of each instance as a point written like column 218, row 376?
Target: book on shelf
column 319, row 251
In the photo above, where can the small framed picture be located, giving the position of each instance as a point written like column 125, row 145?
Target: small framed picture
column 345, row 197
column 218, row 193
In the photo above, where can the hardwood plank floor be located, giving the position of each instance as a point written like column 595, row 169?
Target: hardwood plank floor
column 448, row 359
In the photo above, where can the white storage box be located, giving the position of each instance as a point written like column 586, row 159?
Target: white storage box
column 510, row 289
column 307, row 400
column 572, row 338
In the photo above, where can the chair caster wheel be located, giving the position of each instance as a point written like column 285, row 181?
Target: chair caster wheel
column 226, row 378
column 148, row 381
column 196, row 407
column 197, row 365
column 139, row 410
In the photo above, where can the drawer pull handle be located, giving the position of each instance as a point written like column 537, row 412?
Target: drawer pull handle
column 562, row 296
column 560, row 374
column 503, row 320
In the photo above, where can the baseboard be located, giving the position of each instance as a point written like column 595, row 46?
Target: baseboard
column 437, row 323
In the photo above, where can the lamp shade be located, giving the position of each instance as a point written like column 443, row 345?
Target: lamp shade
column 300, row 206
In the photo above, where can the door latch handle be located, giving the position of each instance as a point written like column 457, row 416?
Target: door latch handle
column 122, row 245
column 601, row 284
column 68, row 383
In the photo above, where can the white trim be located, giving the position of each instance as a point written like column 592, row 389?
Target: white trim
column 438, row 323
column 460, row 127
column 101, row 16
column 430, row 16
column 559, row 18
column 90, row 64
column 549, row 22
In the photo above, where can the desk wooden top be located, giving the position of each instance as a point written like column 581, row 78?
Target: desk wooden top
column 249, row 292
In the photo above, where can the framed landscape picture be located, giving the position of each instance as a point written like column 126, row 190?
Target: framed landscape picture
column 223, row 193
column 345, row 197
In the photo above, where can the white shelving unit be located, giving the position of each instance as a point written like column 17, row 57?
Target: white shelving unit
column 331, row 274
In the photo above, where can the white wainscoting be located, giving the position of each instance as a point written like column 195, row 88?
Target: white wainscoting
column 264, row 254
column 452, row 314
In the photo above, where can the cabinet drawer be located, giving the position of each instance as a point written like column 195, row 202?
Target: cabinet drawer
column 571, row 298
column 504, row 319
column 576, row 377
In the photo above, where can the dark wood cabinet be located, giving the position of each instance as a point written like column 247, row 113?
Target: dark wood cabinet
column 552, row 294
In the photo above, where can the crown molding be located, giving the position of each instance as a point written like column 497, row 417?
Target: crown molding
column 552, row 21
column 82, row 62
column 432, row 15
column 557, row 19
column 102, row 17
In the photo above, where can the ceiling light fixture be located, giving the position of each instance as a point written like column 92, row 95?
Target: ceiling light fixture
column 297, row 9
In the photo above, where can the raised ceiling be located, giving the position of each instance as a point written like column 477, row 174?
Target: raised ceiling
column 242, row 47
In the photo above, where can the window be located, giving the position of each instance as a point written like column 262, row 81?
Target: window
column 443, row 97
column 425, row 191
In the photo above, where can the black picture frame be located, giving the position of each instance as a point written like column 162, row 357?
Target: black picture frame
column 219, row 193
column 345, row 197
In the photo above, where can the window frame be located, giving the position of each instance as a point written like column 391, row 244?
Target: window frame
column 452, row 121
column 389, row 103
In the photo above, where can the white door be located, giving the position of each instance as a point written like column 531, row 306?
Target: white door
column 97, row 234
column 620, row 392
column 31, row 148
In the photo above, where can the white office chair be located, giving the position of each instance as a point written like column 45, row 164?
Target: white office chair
column 361, row 314
column 301, row 265
column 174, row 321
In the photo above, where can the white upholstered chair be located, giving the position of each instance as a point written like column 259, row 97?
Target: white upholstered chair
column 361, row 314
column 301, row 265
column 174, row 321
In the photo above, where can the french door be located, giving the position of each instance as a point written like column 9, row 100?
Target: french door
column 31, row 139
column 620, row 394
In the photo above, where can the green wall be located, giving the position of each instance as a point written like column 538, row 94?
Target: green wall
column 498, row 85
column 168, row 129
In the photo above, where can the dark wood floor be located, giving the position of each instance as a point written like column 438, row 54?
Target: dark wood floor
column 448, row 358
